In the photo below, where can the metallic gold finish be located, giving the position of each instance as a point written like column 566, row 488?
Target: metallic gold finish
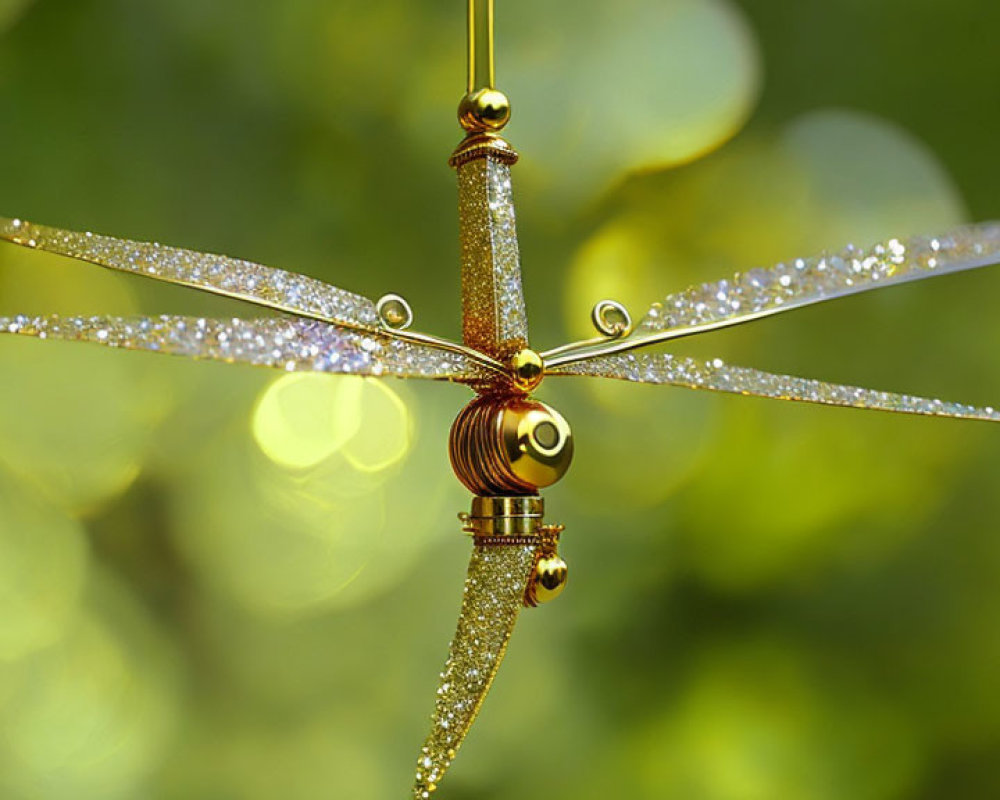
column 549, row 576
column 277, row 289
column 484, row 110
column 504, row 447
column 509, row 446
column 516, row 522
column 717, row 375
column 612, row 321
column 506, row 541
column 490, row 364
column 528, row 369
column 537, row 441
column 492, row 599
column 483, row 145
column 473, row 22
column 549, row 579
column 583, row 351
column 494, row 316
column 611, row 318
column 514, row 564
column 759, row 293
column 394, row 312
column 505, row 516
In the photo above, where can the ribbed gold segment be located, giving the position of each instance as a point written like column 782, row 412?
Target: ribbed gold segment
column 509, row 446
column 492, row 299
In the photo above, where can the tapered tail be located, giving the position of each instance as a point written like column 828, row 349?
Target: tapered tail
column 494, row 595
column 514, row 563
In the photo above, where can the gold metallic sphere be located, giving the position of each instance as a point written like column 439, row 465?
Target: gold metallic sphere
column 394, row 316
column 394, row 312
column 484, row 111
column 549, row 579
column 504, row 446
column 527, row 369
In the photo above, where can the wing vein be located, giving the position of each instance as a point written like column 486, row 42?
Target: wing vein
column 287, row 343
column 718, row 376
column 231, row 277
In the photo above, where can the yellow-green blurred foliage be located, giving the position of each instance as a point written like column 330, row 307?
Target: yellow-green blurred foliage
column 217, row 582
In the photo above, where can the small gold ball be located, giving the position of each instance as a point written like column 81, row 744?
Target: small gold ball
column 484, row 111
column 527, row 369
column 394, row 314
column 551, row 574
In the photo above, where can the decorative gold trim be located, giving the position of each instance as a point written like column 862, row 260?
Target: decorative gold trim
column 394, row 312
column 452, row 347
column 506, row 517
column 608, row 328
column 483, row 145
column 548, row 579
column 624, row 346
column 506, row 541
column 484, row 107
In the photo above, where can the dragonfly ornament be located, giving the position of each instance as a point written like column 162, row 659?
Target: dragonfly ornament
column 505, row 445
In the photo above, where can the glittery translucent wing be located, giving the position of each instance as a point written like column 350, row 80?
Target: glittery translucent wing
column 265, row 286
column 721, row 377
column 494, row 594
column 762, row 292
column 282, row 342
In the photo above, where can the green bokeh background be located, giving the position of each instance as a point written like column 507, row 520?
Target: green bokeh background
column 767, row 600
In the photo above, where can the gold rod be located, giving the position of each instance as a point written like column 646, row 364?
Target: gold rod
column 491, row 67
column 574, row 346
column 627, row 345
column 478, row 50
column 471, row 24
column 451, row 347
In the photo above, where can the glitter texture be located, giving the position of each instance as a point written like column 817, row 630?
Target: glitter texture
column 494, row 318
column 338, row 332
column 761, row 292
column 720, row 377
column 494, row 595
column 288, row 344
column 266, row 286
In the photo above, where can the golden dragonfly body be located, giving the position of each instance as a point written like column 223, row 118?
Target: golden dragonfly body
column 505, row 445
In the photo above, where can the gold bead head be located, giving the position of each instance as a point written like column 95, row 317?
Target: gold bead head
column 527, row 370
column 484, row 111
